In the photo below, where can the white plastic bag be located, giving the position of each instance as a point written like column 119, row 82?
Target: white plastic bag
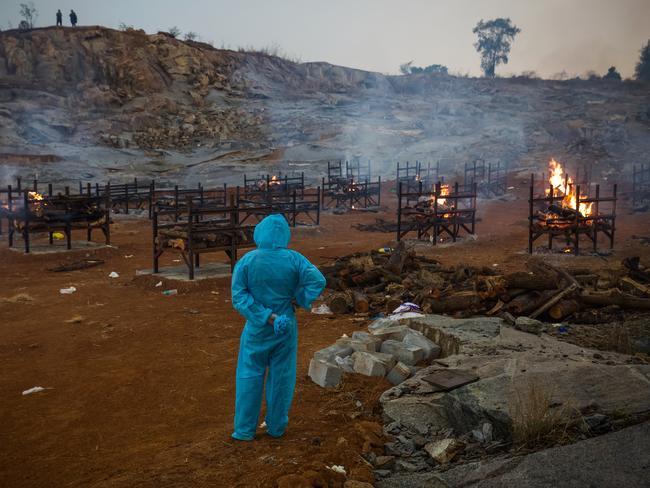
column 67, row 291
column 321, row 310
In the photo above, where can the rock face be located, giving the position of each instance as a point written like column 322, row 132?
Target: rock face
column 507, row 360
column 609, row 461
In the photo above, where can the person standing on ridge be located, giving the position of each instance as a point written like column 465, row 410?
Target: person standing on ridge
column 73, row 18
column 266, row 283
column 59, row 18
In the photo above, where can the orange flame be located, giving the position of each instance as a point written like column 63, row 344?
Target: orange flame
column 563, row 186
column 35, row 196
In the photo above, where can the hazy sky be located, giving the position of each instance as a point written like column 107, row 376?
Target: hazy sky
column 557, row 35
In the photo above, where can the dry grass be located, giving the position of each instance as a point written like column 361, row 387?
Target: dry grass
column 537, row 421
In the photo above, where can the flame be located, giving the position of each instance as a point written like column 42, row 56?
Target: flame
column 35, row 196
column 274, row 180
column 563, row 186
column 444, row 190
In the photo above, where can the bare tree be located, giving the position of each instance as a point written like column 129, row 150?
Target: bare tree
column 174, row 31
column 191, row 36
column 29, row 14
column 494, row 42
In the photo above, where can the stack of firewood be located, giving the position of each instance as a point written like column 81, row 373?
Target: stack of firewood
column 203, row 235
column 379, row 282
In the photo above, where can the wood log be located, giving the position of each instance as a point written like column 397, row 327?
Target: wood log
column 339, row 303
column 563, row 309
column 572, row 288
column 379, row 287
column 464, row 300
column 530, row 281
column 614, row 297
column 397, row 259
column 628, row 284
column 372, row 276
column 360, row 301
column 392, row 303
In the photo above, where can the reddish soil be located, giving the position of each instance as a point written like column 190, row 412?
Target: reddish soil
column 141, row 386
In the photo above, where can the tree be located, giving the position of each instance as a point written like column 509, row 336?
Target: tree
column 494, row 40
column 612, row 74
column 405, row 68
column 29, row 14
column 191, row 36
column 174, row 31
column 642, row 70
column 124, row 26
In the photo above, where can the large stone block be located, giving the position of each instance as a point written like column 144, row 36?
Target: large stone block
column 399, row 373
column 396, row 332
column 368, row 364
column 415, row 338
column 324, row 374
column 363, row 341
column 341, row 349
column 403, row 352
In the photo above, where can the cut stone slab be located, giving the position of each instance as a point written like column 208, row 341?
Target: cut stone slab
column 363, row 341
column 396, row 332
column 368, row 364
column 324, row 374
column 416, row 338
column 444, row 450
column 388, row 360
column 403, row 352
column 342, row 349
column 448, row 379
column 399, row 373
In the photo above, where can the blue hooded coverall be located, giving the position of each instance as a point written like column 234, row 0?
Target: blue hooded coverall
column 266, row 281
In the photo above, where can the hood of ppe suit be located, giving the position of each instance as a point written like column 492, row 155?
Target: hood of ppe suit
column 272, row 233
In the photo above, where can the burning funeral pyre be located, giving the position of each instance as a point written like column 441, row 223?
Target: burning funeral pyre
column 566, row 212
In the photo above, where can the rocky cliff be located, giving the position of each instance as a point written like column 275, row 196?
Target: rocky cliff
column 62, row 89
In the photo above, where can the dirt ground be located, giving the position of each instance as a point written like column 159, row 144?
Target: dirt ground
column 140, row 386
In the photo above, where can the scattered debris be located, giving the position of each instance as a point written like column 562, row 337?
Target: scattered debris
column 169, row 293
column 18, row 298
column 77, row 319
column 444, row 450
column 67, row 291
column 113, row 274
column 35, row 389
column 322, row 309
column 337, row 469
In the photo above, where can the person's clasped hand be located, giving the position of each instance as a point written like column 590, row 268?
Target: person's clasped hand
column 281, row 324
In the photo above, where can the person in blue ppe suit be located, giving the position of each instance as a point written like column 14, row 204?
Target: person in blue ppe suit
column 266, row 283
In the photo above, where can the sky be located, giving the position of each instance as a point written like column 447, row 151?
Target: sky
column 572, row 36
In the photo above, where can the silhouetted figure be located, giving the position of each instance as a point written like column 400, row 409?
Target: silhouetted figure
column 73, row 18
column 59, row 18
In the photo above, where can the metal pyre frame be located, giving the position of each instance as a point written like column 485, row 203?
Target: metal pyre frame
column 201, row 229
column 293, row 204
column 32, row 213
column 491, row 178
column 547, row 217
column 125, row 196
column 344, row 191
column 640, row 185
column 176, row 198
column 411, row 174
column 436, row 213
